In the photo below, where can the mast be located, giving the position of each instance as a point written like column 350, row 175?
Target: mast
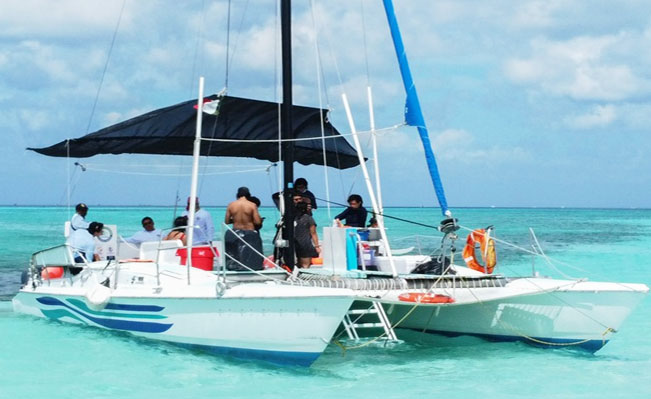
column 413, row 112
column 287, row 132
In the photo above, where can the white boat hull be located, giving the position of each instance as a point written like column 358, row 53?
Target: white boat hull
column 546, row 312
column 273, row 322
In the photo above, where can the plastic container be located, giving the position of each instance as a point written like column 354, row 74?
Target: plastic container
column 351, row 249
column 202, row 257
column 363, row 234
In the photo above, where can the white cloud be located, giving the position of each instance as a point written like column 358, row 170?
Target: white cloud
column 459, row 146
column 63, row 18
column 583, row 68
column 599, row 116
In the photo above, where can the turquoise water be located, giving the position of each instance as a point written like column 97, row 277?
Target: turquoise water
column 46, row 359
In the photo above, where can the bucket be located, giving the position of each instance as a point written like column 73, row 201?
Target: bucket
column 363, row 234
column 202, row 257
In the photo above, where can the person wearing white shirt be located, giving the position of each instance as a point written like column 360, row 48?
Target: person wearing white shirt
column 78, row 221
column 150, row 233
column 82, row 242
column 204, row 229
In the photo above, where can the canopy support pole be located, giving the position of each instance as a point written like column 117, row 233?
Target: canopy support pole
column 367, row 179
column 196, row 152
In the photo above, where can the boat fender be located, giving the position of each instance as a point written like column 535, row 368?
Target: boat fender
column 98, row 296
column 486, row 247
column 220, row 288
column 418, row 297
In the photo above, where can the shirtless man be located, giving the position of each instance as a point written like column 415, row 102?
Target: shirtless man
column 243, row 243
column 243, row 213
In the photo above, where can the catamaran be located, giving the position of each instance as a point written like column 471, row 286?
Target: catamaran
column 452, row 299
column 154, row 295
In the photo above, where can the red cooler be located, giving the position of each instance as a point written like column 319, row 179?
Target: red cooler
column 202, row 257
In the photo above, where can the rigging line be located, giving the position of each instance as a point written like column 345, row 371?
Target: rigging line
column 547, row 257
column 390, row 217
column 331, row 137
column 237, row 37
column 338, row 74
column 133, row 165
column 368, row 75
column 197, row 46
column 230, row 172
column 228, row 41
column 108, row 57
column 322, row 122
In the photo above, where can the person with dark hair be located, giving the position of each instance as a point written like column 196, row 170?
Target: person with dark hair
column 178, row 232
column 256, row 202
column 149, row 232
column 204, row 229
column 78, row 220
column 306, row 239
column 300, row 189
column 300, row 185
column 355, row 215
column 243, row 244
column 82, row 242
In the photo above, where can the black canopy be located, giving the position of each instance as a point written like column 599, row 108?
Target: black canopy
column 171, row 131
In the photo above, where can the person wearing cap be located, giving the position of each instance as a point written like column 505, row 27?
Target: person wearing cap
column 78, row 221
column 243, row 244
column 204, row 229
column 149, row 232
column 82, row 242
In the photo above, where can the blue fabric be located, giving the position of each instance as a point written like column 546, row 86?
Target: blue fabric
column 413, row 113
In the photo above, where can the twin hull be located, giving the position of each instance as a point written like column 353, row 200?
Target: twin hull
column 287, row 330
column 581, row 314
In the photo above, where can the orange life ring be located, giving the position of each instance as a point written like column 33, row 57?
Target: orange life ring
column 425, row 298
column 487, row 248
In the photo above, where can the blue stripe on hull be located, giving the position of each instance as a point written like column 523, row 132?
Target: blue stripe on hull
column 303, row 359
column 591, row 346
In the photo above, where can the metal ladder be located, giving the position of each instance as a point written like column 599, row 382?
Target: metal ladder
column 351, row 324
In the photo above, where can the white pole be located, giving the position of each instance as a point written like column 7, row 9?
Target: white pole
column 376, row 161
column 367, row 179
column 196, row 151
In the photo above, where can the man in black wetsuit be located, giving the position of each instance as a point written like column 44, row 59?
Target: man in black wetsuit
column 355, row 215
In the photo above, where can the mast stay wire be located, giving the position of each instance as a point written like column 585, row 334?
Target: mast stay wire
column 197, row 63
column 320, row 94
column 339, row 78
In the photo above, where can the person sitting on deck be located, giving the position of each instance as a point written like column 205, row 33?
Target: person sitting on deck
column 355, row 214
column 243, row 244
column 178, row 232
column 82, row 242
column 149, row 232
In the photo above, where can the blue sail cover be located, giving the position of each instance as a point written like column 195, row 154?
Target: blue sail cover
column 413, row 113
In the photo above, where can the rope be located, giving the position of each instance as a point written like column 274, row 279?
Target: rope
column 383, row 130
column 230, row 172
column 542, row 342
column 108, row 57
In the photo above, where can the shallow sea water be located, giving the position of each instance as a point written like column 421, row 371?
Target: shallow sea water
column 47, row 359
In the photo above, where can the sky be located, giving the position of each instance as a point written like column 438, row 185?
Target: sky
column 529, row 103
